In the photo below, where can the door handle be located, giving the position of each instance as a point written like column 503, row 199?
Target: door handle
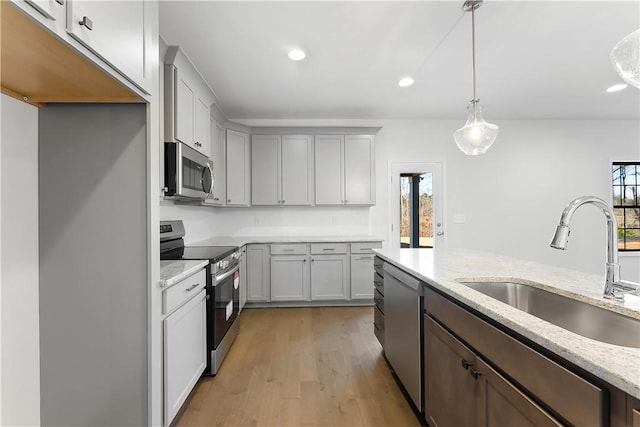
column 86, row 22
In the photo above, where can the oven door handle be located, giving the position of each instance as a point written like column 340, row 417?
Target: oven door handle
column 227, row 274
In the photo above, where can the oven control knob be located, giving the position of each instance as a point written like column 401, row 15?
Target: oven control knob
column 223, row 264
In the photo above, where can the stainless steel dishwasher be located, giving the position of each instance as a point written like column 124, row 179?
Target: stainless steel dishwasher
column 403, row 329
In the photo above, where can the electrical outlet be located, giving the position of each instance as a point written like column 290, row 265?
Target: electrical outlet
column 459, row 219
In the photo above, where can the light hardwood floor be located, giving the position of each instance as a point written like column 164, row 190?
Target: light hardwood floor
column 301, row 367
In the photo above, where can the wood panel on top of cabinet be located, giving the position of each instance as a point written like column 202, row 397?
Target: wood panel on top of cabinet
column 38, row 66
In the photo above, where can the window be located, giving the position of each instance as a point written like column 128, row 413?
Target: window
column 626, row 203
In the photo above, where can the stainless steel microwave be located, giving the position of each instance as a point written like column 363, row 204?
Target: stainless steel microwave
column 188, row 174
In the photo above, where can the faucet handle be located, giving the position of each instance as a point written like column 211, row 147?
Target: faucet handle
column 623, row 287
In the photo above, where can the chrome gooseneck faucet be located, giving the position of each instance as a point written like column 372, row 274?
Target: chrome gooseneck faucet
column 614, row 288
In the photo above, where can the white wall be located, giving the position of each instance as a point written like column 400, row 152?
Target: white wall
column 20, row 362
column 512, row 196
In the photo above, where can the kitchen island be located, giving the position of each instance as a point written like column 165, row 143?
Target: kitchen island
column 463, row 327
column 443, row 270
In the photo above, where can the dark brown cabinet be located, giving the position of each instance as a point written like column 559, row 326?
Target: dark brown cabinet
column 483, row 397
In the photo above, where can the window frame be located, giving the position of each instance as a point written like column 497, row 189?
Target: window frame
column 620, row 205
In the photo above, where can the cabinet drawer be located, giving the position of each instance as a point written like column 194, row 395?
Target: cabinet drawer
column 575, row 399
column 364, row 247
column 378, row 263
column 179, row 293
column 378, row 299
column 328, row 248
column 378, row 283
column 289, row 249
column 378, row 325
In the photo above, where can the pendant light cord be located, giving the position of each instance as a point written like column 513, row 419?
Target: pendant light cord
column 473, row 50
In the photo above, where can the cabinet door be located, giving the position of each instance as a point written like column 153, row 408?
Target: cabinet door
column 359, row 170
column 114, row 30
column 289, row 278
column 50, row 9
column 238, row 168
column 217, row 196
column 502, row 404
column 265, row 170
column 202, row 127
column 258, row 273
column 361, row 276
column 450, row 390
column 184, row 112
column 329, row 277
column 297, row 170
column 185, row 343
column 329, row 187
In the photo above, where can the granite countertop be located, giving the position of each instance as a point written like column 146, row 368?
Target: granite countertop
column 245, row 240
column 172, row 272
column 619, row 366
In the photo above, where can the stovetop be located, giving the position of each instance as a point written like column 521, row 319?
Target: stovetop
column 172, row 245
column 212, row 253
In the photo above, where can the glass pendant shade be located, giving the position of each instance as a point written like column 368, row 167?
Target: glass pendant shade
column 476, row 136
column 625, row 57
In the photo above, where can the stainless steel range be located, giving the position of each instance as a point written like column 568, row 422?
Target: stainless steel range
column 223, row 282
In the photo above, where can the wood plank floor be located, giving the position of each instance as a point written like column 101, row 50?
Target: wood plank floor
column 301, row 367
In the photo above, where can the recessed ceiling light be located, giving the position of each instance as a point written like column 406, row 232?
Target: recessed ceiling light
column 296, row 55
column 617, row 88
column 407, row 81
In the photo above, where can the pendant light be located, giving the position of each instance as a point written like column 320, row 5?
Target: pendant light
column 476, row 136
column 625, row 57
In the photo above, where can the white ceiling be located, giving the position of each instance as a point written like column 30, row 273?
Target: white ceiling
column 535, row 59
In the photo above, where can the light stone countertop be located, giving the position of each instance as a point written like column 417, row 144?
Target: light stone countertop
column 619, row 366
column 246, row 240
column 172, row 272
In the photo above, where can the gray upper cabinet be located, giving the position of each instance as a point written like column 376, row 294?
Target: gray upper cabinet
column 218, row 157
column 114, row 31
column 344, row 170
column 238, row 166
column 359, row 177
column 282, row 170
column 187, row 102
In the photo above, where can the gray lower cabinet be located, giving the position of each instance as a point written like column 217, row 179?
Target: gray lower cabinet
column 483, row 398
column 258, row 273
column 361, row 273
column 329, row 277
column 290, row 278
column 243, row 277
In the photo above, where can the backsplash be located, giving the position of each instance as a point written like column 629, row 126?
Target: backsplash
column 202, row 222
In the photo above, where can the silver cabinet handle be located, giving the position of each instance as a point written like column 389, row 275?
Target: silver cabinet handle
column 189, row 289
column 216, row 199
column 60, row 2
column 328, row 249
column 86, row 22
column 228, row 200
column 287, row 250
column 366, row 257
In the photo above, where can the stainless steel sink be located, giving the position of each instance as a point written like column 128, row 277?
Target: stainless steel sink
column 576, row 316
